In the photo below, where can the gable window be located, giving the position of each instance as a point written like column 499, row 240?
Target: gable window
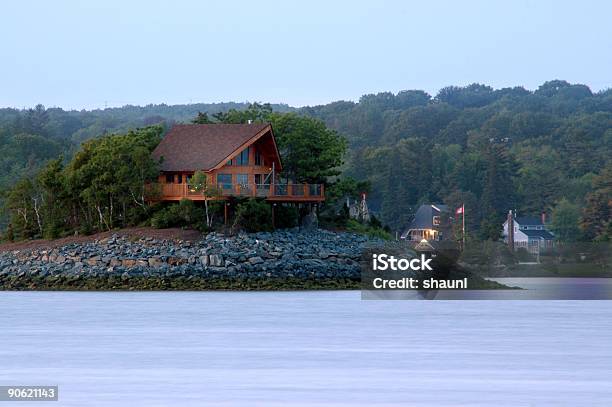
column 258, row 158
column 224, row 181
column 169, row 178
column 436, row 221
column 229, row 162
column 243, row 157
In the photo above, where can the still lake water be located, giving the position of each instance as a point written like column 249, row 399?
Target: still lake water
column 304, row 349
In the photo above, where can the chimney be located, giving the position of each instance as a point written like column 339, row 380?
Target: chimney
column 543, row 217
column 510, row 231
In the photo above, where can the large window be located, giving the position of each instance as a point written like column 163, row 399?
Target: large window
column 243, row 157
column 242, row 179
column 224, row 181
column 258, row 158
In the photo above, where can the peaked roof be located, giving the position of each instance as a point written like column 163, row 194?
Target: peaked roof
column 528, row 220
column 423, row 218
column 542, row 234
column 191, row 147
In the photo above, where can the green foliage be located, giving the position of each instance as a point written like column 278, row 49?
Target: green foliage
column 286, row 216
column 565, row 219
column 110, row 174
column 9, row 234
column 20, row 204
column 199, row 183
column 104, row 186
column 596, row 222
column 367, row 229
column 202, row 118
column 310, row 151
column 255, row 112
column 185, row 213
column 498, row 148
column 346, row 187
column 501, row 149
column 253, row 215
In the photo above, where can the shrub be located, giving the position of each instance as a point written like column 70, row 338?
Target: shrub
column 253, row 216
column 53, row 229
column 9, row 234
column 186, row 213
column 375, row 232
column 286, row 216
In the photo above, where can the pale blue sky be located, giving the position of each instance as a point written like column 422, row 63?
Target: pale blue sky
column 82, row 54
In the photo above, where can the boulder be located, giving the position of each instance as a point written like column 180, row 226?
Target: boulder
column 256, row 260
column 216, row 260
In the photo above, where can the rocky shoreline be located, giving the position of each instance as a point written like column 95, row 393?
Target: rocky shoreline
column 288, row 259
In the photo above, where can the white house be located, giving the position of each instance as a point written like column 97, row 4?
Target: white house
column 530, row 233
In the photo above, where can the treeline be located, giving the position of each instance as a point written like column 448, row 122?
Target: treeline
column 31, row 137
column 494, row 150
column 111, row 181
column 102, row 187
column 491, row 149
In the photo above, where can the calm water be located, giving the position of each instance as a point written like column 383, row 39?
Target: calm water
column 305, row 348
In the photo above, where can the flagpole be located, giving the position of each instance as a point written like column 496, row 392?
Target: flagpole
column 463, row 221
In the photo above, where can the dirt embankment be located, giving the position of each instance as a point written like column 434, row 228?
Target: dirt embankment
column 130, row 233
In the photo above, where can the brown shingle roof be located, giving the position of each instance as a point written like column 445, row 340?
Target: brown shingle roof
column 191, row 147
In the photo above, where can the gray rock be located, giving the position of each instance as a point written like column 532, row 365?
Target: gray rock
column 256, row 260
column 216, row 260
column 204, row 260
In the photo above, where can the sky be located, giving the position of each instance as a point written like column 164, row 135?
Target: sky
column 92, row 54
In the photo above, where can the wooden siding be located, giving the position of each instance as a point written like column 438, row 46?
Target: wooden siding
column 273, row 191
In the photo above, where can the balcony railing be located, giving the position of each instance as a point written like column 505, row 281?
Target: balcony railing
column 269, row 191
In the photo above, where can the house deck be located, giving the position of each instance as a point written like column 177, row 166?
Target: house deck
column 271, row 192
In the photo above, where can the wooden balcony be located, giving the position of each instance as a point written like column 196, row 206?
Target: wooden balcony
column 271, row 192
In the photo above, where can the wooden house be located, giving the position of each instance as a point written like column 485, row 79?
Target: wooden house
column 240, row 160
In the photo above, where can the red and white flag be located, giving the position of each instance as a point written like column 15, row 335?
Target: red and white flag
column 459, row 210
